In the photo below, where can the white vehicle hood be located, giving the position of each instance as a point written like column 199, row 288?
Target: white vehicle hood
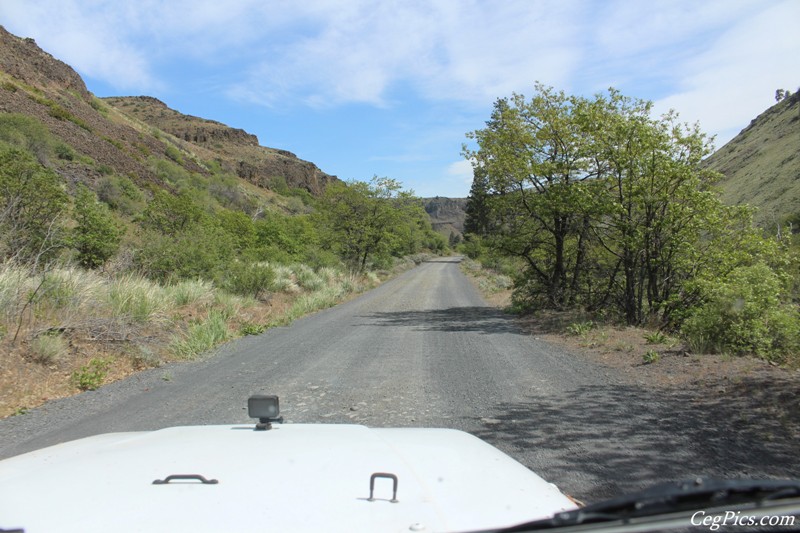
column 295, row 477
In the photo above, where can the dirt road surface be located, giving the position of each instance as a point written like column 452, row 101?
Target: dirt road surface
column 424, row 350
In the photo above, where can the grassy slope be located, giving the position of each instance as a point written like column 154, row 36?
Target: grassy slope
column 761, row 165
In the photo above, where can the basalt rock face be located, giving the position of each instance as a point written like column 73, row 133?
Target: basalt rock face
column 25, row 61
column 234, row 149
column 447, row 214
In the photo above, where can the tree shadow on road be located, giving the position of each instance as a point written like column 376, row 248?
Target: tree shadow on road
column 486, row 320
column 598, row 442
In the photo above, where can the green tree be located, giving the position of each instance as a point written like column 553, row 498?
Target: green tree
column 477, row 209
column 364, row 221
column 96, row 236
column 171, row 214
column 657, row 206
column 32, row 205
column 532, row 159
column 610, row 208
column 240, row 228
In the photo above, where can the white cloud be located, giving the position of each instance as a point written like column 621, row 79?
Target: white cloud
column 446, row 50
column 736, row 78
column 461, row 170
column 89, row 40
column 717, row 61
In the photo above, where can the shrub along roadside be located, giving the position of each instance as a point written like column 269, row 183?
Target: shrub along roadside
column 747, row 313
column 85, row 328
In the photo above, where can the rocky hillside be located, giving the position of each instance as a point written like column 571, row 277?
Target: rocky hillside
column 447, row 214
column 235, row 149
column 761, row 165
column 125, row 135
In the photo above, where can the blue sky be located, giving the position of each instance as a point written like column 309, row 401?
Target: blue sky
column 389, row 88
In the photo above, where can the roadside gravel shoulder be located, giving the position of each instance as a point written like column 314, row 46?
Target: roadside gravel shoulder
column 636, row 423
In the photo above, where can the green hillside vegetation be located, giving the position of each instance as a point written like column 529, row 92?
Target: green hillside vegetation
column 123, row 245
column 592, row 205
column 761, row 165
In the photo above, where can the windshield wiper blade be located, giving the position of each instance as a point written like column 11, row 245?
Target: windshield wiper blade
column 668, row 498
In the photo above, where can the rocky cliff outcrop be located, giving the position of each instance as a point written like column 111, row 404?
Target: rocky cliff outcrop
column 25, row 61
column 447, row 214
column 235, row 149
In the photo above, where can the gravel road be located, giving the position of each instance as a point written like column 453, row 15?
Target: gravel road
column 424, row 350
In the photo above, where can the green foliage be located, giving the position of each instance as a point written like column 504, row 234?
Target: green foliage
column 472, row 246
column 64, row 151
column 194, row 253
column 173, row 153
column 171, row 214
column 655, row 337
column 92, row 375
column 610, row 209
column 96, row 236
column 32, row 202
column 202, row 336
column 370, row 222
column 27, row 133
column 121, row 194
column 240, row 228
column 170, row 172
column 250, row 328
column 289, row 239
column 478, row 211
column 279, row 185
column 247, row 279
column 650, row 357
column 746, row 312
column 226, row 191
column 579, row 329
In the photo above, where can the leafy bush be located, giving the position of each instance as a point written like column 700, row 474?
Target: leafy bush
column 96, row 236
column 650, row 357
column 250, row 328
column 579, row 329
column 173, row 153
column 32, row 201
column 472, row 247
column 92, row 375
column 655, row 337
column 240, row 229
column 744, row 314
column 171, row 214
column 191, row 254
column 27, row 133
column 279, row 185
column 64, row 151
column 120, row 193
column 247, row 279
